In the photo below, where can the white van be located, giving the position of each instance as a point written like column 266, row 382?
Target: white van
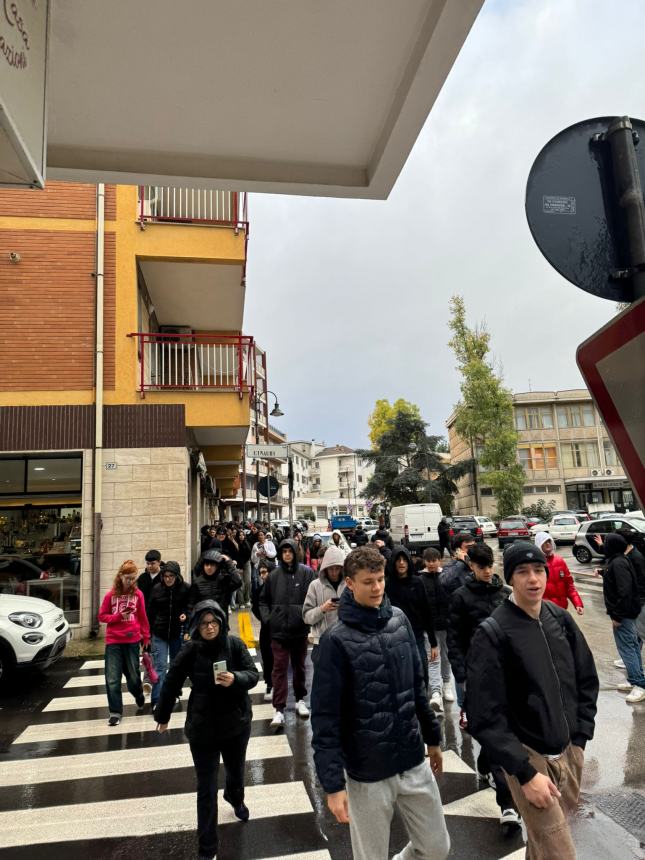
column 422, row 521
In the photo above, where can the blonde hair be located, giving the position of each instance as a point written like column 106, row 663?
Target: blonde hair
column 128, row 567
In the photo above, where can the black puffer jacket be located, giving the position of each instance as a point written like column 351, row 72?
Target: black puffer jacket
column 282, row 597
column 535, row 686
column 370, row 712
column 219, row 587
column 469, row 605
column 619, row 581
column 215, row 712
column 409, row 595
column 454, row 575
column 438, row 599
column 165, row 606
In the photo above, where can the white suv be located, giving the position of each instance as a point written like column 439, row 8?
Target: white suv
column 33, row 633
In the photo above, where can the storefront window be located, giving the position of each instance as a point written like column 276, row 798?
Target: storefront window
column 54, row 475
column 12, row 476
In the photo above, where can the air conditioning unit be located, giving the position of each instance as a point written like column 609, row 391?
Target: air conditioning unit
column 610, row 471
column 596, row 473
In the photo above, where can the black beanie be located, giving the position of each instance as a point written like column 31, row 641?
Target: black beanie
column 522, row 552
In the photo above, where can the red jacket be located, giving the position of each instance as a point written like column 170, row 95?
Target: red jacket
column 560, row 587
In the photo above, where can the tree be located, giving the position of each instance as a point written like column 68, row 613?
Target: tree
column 408, row 466
column 540, row 509
column 485, row 413
column 384, row 414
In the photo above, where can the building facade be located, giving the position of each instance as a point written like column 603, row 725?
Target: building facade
column 123, row 424
column 566, row 453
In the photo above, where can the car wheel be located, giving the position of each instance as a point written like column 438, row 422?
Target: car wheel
column 582, row 554
column 7, row 662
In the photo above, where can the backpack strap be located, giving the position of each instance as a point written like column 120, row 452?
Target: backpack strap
column 561, row 617
column 495, row 630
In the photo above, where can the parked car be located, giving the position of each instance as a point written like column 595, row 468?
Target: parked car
column 33, row 633
column 563, row 529
column 582, row 515
column 534, row 521
column 487, row 526
column 585, row 547
column 511, row 530
column 467, row 524
column 367, row 523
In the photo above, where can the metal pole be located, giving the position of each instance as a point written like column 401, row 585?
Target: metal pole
column 257, row 462
column 290, row 479
column 630, row 197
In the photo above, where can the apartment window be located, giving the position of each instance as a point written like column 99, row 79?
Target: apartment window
column 537, row 457
column 360, row 479
column 580, row 455
column 576, row 415
column 611, row 458
column 533, row 418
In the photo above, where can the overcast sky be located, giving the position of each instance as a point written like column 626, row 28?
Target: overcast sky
column 350, row 298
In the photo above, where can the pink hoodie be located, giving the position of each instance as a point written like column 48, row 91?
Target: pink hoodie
column 119, row 631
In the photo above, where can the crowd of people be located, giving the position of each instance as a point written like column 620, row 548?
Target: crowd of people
column 394, row 637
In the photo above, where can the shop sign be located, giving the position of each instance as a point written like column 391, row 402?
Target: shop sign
column 23, row 72
column 267, row 452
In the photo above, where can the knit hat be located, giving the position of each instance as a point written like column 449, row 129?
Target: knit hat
column 519, row 553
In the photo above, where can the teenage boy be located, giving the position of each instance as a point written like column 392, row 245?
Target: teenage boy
column 439, row 602
column 150, row 576
column 455, row 572
column 560, row 587
column 532, row 692
column 371, row 718
column 482, row 593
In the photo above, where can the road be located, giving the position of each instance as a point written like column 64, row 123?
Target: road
column 71, row 787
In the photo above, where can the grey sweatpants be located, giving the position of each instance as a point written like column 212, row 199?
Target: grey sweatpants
column 439, row 669
column 416, row 795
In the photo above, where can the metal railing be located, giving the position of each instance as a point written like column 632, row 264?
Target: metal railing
column 193, row 205
column 195, row 362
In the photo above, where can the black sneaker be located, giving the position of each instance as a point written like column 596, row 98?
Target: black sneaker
column 140, row 700
column 241, row 811
column 114, row 721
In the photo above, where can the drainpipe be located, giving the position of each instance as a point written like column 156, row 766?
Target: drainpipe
column 98, row 419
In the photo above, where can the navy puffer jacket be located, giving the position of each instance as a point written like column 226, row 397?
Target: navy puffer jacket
column 370, row 712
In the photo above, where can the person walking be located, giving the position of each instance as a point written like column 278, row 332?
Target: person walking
column 622, row 602
column 456, row 571
column 265, row 632
column 532, row 689
column 439, row 670
column 167, row 610
column 244, row 564
column 123, row 610
column 281, row 604
column 372, row 722
column 338, row 540
column 482, row 593
column 151, row 575
column 443, row 530
column 560, row 587
column 218, row 719
column 313, row 551
column 320, row 609
column 215, row 577
column 263, row 548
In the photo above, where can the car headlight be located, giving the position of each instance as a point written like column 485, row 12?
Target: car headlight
column 26, row 619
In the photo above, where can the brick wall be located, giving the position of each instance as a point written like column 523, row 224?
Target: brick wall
column 57, row 200
column 47, row 305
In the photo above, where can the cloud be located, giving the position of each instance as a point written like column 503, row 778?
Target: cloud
column 350, row 298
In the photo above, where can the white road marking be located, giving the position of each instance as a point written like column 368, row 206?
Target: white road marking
column 481, row 804
column 74, row 703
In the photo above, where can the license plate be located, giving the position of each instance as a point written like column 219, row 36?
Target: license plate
column 513, row 533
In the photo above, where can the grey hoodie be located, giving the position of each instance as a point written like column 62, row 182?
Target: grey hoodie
column 319, row 592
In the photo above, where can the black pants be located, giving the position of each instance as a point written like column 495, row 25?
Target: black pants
column 502, row 791
column 206, row 759
column 267, row 655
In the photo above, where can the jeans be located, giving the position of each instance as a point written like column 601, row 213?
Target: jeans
column 266, row 653
column 294, row 650
column 423, row 656
column 161, row 651
column 439, row 669
column 460, row 688
column 630, row 649
column 416, row 796
column 122, row 660
column 206, row 760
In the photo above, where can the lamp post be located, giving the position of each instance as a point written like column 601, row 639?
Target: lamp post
column 276, row 412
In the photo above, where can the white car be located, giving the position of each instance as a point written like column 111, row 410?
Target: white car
column 367, row 523
column 563, row 529
column 488, row 527
column 33, row 633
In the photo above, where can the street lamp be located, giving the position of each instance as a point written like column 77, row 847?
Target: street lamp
column 276, row 412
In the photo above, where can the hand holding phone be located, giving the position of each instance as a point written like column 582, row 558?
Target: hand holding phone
column 218, row 667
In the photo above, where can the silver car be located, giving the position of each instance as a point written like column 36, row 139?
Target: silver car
column 586, row 548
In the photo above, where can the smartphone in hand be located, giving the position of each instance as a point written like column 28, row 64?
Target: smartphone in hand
column 218, row 666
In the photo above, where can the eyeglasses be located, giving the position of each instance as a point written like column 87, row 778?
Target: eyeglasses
column 205, row 624
column 128, row 578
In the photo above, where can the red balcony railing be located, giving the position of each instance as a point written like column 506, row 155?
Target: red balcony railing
column 196, row 362
column 193, row 206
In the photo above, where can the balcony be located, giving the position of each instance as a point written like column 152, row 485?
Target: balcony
column 195, row 362
column 200, row 206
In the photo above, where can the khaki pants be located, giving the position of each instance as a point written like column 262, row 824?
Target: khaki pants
column 547, row 829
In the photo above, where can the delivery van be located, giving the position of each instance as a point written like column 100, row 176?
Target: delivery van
column 422, row 521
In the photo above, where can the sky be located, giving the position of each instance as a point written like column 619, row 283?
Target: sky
column 350, row 298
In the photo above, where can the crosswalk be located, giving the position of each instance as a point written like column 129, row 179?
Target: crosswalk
column 71, row 787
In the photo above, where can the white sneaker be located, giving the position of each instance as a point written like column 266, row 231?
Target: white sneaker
column 268, row 696
column 619, row 664
column 302, row 710
column 624, row 688
column 509, row 819
column 436, row 702
column 147, row 688
column 278, row 720
column 448, row 693
column 637, row 695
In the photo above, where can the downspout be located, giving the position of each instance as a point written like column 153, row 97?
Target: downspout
column 98, row 417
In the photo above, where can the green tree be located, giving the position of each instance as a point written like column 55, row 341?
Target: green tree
column 408, row 468
column 384, row 414
column 485, row 412
column 541, row 509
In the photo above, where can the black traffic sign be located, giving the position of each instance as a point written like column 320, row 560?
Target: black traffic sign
column 268, row 486
column 578, row 204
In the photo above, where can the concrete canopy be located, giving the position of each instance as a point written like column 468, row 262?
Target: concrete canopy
column 296, row 96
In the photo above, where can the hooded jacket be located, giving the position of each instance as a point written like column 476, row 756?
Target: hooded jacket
column 166, row 604
column 409, row 594
column 342, row 543
column 469, row 605
column 534, row 686
column 560, row 587
column 283, row 596
column 320, row 591
column 215, row 713
column 370, row 713
column 619, row 582
column 218, row 587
